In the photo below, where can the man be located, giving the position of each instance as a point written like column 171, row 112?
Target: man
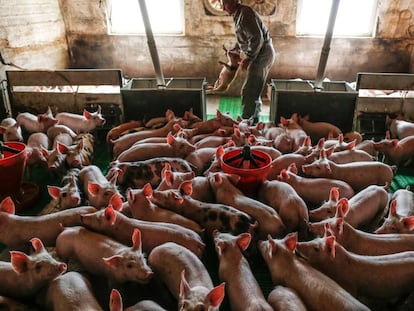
column 254, row 41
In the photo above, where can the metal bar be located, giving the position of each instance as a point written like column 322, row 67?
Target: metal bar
column 151, row 45
column 326, row 45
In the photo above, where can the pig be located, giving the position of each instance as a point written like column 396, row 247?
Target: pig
column 71, row 291
column 116, row 261
column 58, row 129
column 55, row 160
column 139, row 201
column 96, row 187
column 26, row 274
column 222, row 120
column 116, row 304
column 200, row 159
column 361, row 210
column 45, row 227
column 11, row 130
column 283, row 298
column 126, row 141
column 364, row 243
column 243, row 291
column 353, row 136
column 116, row 131
column 40, row 123
column 313, row 190
column 120, row 227
column 80, row 153
column 171, row 179
column 283, row 161
column 209, row 215
column 186, row 277
column 399, row 128
column 137, row 174
column 84, row 123
column 69, row 195
column 290, row 206
column 358, row 175
column 228, row 72
column 318, row 291
column 396, row 223
column 268, row 219
column 397, row 152
column 317, row 130
column 174, row 147
column 201, row 190
column 34, row 145
column 374, row 277
column 348, row 155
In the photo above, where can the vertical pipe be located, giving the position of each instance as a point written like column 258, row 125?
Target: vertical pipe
column 326, row 45
column 151, row 44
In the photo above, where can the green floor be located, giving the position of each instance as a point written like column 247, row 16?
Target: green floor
column 232, row 106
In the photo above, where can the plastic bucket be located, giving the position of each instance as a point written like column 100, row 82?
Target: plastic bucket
column 12, row 167
column 251, row 177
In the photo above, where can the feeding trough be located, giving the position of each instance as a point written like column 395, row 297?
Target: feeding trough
column 323, row 101
column 148, row 98
column 12, row 165
column 251, row 165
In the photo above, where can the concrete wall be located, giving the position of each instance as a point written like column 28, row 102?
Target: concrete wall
column 62, row 33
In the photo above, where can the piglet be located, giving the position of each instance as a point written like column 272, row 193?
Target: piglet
column 283, row 298
column 46, row 227
column 11, row 130
column 186, row 277
column 243, row 291
column 35, row 143
column 96, row 187
column 40, row 123
column 116, row 304
column 174, row 147
column 399, row 128
column 67, row 196
column 398, row 152
column 318, row 291
column 26, row 274
column 118, row 262
column 71, row 291
column 81, row 123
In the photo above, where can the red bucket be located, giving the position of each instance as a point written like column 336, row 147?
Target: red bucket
column 250, row 177
column 12, row 167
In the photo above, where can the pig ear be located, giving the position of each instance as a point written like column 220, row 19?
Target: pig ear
column 19, row 261
column 342, row 208
column 136, row 240
column 186, row 187
column 293, row 168
column 328, row 231
column 168, row 177
column 234, row 178
column 219, row 151
column 86, row 114
column 37, row 245
column 394, row 142
column 115, row 301
column 284, row 175
column 62, row 148
column 110, row 215
column 116, row 201
column 352, row 144
column 243, row 241
column 339, row 225
column 215, row 297
column 334, row 194
column 2, row 129
column 113, row 261
column 220, row 245
column 7, row 206
column 54, row 192
column 170, row 139
column 93, row 188
column 291, row 240
column 44, row 151
column 330, row 150
column 330, row 245
column 408, row 222
column 393, row 208
column 99, row 109
column 147, row 190
column 184, row 286
column 272, row 245
column 218, row 178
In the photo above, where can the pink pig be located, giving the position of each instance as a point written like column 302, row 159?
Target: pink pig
column 186, row 277
column 174, row 147
column 26, row 274
column 11, row 130
column 40, row 123
column 81, row 123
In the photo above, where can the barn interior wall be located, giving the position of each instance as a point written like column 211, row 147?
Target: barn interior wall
column 57, row 34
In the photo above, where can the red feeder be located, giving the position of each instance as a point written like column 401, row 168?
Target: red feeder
column 12, row 164
column 251, row 165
